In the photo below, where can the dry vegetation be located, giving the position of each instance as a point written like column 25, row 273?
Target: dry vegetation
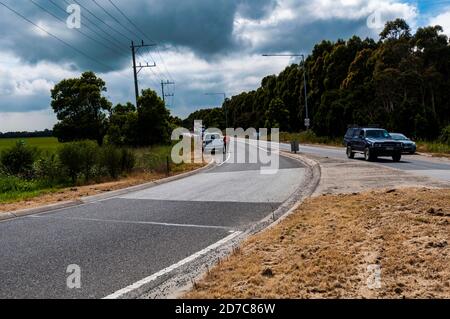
column 324, row 248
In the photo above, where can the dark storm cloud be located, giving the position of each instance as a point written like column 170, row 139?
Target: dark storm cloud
column 204, row 26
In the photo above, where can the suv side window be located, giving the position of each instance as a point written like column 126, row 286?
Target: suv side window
column 362, row 134
column 356, row 133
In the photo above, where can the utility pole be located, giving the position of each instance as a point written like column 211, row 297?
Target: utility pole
column 163, row 84
column 137, row 68
column 307, row 119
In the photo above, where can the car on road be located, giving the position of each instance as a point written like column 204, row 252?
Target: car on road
column 373, row 143
column 214, row 143
column 408, row 146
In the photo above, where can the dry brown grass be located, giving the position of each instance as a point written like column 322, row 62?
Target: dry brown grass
column 74, row 193
column 324, row 248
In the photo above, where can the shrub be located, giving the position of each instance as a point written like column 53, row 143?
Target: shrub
column 19, row 159
column 111, row 160
column 89, row 157
column 445, row 135
column 49, row 169
column 70, row 156
column 127, row 160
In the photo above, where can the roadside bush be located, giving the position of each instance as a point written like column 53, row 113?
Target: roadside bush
column 445, row 135
column 111, row 160
column 127, row 160
column 89, row 158
column 18, row 160
column 49, row 169
column 70, row 156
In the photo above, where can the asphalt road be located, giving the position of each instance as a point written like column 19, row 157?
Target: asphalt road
column 421, row 165
column 119, row 241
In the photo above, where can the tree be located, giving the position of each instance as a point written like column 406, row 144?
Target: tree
column 153, row 119
column 80, row 108
column 401, row 83
column 394, row 30
column 122, row 125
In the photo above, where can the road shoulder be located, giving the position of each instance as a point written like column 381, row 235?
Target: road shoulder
column 362, row 217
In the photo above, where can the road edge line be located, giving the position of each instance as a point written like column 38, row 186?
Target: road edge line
column 139, row 287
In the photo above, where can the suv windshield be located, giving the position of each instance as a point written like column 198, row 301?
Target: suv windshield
column 399, row 137
column 377, row 134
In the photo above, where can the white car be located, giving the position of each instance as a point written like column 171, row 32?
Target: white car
column 213, row 143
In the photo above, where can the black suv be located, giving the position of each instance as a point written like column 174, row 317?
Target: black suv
column 372, row 142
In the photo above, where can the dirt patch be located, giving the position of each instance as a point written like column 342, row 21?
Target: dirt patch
column 74, row 193
column 332, row 246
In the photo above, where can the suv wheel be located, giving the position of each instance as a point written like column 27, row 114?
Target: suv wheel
column 350, row 153
column 368, row 155
column 397, row 157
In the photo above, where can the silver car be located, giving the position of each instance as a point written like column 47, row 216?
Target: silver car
column 408, row 145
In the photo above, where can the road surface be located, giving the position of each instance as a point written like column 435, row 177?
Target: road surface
column 420, row 165
column 121, row 240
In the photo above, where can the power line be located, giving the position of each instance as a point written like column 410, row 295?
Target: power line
column 143, row 34
column 113, row 17
column 78, row 30
column 119, row 47
column 54, row 36
column 95, row 16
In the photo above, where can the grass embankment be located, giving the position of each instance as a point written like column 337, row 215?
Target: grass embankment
column 325, row 248
column 433, row 148
column 17, row 193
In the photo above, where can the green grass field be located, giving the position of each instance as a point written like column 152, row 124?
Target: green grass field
column 42, row 143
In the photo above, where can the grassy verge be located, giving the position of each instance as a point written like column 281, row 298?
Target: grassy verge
column 308, row 137
column 328, row 246
column 151, row 164
column 434, row 148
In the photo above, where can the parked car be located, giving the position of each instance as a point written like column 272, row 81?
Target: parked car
column 373, row 143
column 213, row 143
column 408, row 146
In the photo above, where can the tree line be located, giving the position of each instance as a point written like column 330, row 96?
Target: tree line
column 44, row 133
column 400, row 82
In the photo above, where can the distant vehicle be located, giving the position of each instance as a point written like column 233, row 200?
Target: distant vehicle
column 408, row 146
column 349, row 135
column 373, row 143
column 213, row 143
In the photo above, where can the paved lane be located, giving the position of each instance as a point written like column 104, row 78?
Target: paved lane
column 416, row 164
column 121, row 240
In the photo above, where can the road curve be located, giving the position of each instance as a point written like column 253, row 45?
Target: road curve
column 118, row 241
column 438, row 169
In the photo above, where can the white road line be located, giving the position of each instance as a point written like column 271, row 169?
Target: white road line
column 228, row 158
column 131, row 222
column 118, row 294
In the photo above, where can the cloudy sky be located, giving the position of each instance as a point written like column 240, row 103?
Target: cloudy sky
column 203, row 45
